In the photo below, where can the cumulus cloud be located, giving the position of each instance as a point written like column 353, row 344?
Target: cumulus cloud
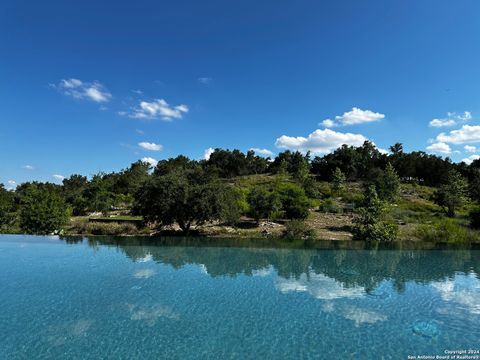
column 11, row 184
column 452, row 119
column 466, row 134
column 328, row 123
column 78, row 89
column 263, row 152
column 354, row 117
column 207, row 153
column 470, row 159
column 157, row 109
column 469, row 148
column 58, row 177
column 150, row 161
column 440, row 147
column 150, row 146
column 320, row 141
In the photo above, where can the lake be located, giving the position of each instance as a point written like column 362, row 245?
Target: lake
column 112, row 298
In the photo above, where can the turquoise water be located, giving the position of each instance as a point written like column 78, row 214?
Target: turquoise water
column 128, row 300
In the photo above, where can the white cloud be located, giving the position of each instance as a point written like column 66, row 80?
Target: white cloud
column 470, row 159
column 139, row 92
column 28, row 167
column 462, row 290
column 158, row 108
column 144, row 273
column 320, row 141
column 263, row 152
column 442, row 122
column 440, row 147
column 318, row 286
column 358, row 116
column 58, row 177
column 141, row 132
column 11, row 184
column 328, row 123
column 470, row 148
column 207, row 153
column 150, row 146
column 78, row 89
column 467, row 133
column 204, row 80
column 150, row 160
column 451, row 120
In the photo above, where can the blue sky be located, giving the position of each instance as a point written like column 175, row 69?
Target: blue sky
column 90, row 86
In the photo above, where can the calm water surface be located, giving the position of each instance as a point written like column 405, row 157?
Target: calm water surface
column 90, row 300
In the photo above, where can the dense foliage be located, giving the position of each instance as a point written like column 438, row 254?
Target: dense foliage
column 43, row 209
column 185, row 192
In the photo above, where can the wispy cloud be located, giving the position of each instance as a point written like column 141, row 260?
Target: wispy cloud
column 58, row 177
column 157, row 109
column 78, row 89
column 150, row 146
column 452, row 119
column 205, row 80
column 353, row 117
column 469, row 148
column 28, row 167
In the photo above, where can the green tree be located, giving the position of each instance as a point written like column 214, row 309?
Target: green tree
column 6, row 206
column 338, row 180
column 43, row 210
column 452, row 194
column 263, row 203
column 295, row 203
column 180, row 197
column 369, row 226
column 388, row 184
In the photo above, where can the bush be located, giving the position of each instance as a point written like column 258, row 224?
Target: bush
column 445, row 230
column 369, row 226
column 295, row 203
column 100, row 228
column 330, row 205
column 296, row 230
column 263, row 203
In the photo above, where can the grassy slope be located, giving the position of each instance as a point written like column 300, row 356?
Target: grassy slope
column 415, row 213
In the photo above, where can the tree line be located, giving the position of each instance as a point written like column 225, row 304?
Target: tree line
column 190, row 192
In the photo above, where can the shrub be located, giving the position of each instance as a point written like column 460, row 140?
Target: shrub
column 296, row 230
column 330, row 205
column 100, row 228
column 263, row 203
column 369, row 226
column 444, row 230
column 295, row 203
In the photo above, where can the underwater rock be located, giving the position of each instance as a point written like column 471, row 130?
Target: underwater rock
column 426, row 329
